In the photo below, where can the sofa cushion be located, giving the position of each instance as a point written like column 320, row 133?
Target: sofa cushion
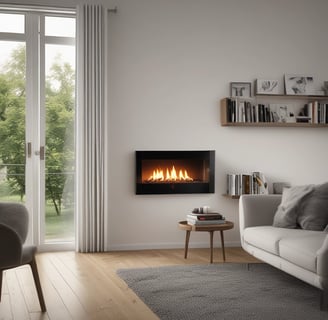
column 302, row 251
column 313, row 209
column 268, row 237
column 287, row 211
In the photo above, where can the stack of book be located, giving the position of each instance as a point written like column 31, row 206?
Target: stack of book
column 254, row 183
column 205, row 218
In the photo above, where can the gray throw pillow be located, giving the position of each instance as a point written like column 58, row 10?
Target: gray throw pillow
column 313, row 209
column 326, row 229
column 287, row 211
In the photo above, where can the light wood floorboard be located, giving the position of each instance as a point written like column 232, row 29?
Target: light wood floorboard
column 80, row 286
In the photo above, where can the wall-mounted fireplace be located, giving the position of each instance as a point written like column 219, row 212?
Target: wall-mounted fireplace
column 170, row 172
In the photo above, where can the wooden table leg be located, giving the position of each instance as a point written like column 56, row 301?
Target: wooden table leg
column 187, row 243
column 211, row 243
column 222, row 244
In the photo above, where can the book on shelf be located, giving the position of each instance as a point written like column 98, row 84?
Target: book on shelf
column 254, row 183
column 316, row 111
column 238, row 184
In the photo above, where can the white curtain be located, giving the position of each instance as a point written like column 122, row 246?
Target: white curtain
column 91, row 128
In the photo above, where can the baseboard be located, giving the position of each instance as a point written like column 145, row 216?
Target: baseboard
column 158, row 246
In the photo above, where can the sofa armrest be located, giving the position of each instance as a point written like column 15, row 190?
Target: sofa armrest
column 257, row 210
column 322, row 262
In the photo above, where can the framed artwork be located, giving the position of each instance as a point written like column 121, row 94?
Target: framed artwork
column 240, row 89
column 299, row 84
column 267, row 86
column 282, row 113
column 325, row 88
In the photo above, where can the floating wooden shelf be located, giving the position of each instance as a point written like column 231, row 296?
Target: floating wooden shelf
column 231, row 196
column 267, row 97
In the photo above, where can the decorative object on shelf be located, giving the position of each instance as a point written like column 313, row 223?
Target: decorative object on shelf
column 266, row 86
column 278, row 187
column 298, row 84
column 262, row 185
column 240, row 89
column 204, row 209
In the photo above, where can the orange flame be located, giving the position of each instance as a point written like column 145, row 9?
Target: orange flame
column 170, row 175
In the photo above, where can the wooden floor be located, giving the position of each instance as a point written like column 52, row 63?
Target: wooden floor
column 85, row 286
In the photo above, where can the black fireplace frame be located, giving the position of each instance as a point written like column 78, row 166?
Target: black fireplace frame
column 175, row 188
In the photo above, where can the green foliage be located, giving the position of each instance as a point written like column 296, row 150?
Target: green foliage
column 59, row 127
column 59, row 132
column 12, row 121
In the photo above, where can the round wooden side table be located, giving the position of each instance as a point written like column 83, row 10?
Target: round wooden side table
column 211, row 228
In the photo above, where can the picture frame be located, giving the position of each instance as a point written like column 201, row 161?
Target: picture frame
column 325, row 88
column 264, row 86
column 240, row 89
column 299, row 84
column 284, row 113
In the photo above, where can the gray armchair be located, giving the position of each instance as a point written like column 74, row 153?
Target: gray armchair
column 13, row 252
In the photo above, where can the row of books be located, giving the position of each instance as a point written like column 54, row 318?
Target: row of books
column 205, row 218
column 244, row 111
column 316, row 112
column 254, row 183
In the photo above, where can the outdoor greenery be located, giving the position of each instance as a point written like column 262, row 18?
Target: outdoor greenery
column 12, row 121
column 59, row 129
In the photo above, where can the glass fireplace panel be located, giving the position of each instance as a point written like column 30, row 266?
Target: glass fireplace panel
column 167, row 172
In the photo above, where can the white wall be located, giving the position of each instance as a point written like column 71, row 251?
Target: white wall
column 171, row 61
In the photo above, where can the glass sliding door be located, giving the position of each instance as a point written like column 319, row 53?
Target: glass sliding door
column 60, row 127
column 37, row 121
column 12, row 120
column 12, row 107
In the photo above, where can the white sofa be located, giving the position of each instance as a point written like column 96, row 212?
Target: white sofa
column 301, row 253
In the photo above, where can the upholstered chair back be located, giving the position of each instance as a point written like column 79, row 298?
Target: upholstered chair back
column 15, row 216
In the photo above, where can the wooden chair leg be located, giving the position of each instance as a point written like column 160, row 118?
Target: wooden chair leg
column 324, row 300
column 1, row 275
column 38, row 284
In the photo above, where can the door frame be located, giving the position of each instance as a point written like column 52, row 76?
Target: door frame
column 35, row 39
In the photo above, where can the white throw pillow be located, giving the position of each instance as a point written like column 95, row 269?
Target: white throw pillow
column 287, row 211
column 313, row 209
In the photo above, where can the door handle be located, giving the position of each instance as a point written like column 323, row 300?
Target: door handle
column 29, row 149
column 42, row 153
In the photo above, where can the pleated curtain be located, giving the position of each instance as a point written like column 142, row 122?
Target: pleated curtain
column 91, row 128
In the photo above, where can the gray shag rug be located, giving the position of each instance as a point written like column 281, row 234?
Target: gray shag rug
column 224, row 291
